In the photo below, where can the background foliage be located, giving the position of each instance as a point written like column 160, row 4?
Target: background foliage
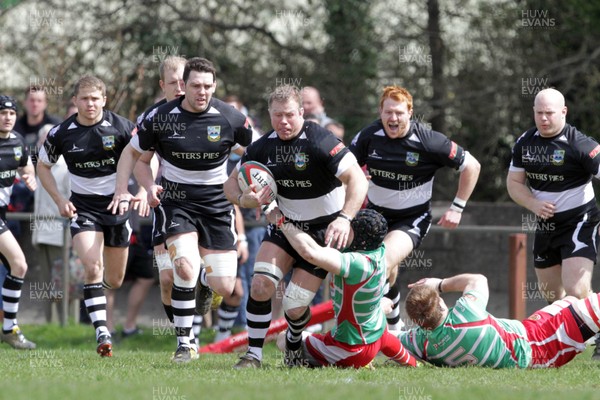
column 473, row 66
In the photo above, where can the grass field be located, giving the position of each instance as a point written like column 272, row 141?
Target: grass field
column 66, row 366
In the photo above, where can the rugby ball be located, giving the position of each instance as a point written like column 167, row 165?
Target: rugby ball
column 255, row 173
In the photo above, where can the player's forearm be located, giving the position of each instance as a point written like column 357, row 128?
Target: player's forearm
column 468, row 178
column 356, row 191
column 125, row 168
column 232, row 189
column 143, row 174
column 463, row 283
column 520, row 193
column 325, row 258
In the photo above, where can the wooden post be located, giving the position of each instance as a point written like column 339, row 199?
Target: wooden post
column 517, row 275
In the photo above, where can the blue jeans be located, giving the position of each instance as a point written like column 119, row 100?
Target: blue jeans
column 254, row 236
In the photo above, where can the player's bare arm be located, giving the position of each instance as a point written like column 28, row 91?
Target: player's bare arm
column 356, row 190
column 459, row 283
column 122, row 197
column 522, row 195
column 27, row 174
column 323, row 257
column 466, row 185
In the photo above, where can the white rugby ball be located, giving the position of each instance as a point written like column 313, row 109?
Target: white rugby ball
column 255, row 173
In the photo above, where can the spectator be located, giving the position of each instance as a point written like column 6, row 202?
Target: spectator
column 313, row 105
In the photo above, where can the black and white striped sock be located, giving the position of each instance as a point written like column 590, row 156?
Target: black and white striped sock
column 227, row 315
column 95, row 303
column 293, row 337
column 11, row 294
column 183, row 302
column 258, row 316
column 393, row 318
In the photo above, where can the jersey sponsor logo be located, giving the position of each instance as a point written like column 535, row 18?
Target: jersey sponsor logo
column 336, row 149
column 8, row 174
column 18, row 152
column 412, row 159
column 214, row 133
column 558, row 158
column 301, row 161
column 108, row 142
column 595, row 152
column 453, row 151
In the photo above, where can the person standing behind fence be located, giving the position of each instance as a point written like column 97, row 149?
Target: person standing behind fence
column 402, row 157
column 550, row 174
column 14, row 159
column 91, row 143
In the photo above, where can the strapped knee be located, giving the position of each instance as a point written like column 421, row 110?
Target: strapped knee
column 221, row 264
column 268, row 270
column 180, row 248
column 296, row 296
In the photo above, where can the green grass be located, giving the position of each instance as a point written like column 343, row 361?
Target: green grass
column 66, row 366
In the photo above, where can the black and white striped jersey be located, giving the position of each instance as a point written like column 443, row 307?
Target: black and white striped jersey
column 306, row 169
column 194, row 147
column 91, row 152
column 402, row 169
column 558, row 169
column 13, row 154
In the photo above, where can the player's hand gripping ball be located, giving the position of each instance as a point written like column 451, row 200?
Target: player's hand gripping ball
column 252, row 172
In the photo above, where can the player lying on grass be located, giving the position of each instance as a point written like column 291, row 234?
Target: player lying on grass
column 359, row 275
column 467, row 334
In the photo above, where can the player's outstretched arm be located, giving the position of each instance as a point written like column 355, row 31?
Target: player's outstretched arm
column 458, row 283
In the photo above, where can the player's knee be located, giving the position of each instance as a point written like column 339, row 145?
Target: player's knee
column 163, row 262
column 265, row 280
column 186, row 263
column 295, row 300
column 222, row 265
column 580, row 290
column 222, row 285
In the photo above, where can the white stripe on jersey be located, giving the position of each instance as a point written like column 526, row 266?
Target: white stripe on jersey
column 332, row 354
column 345, row 163
column 135, row 143
column 5, row 196
column 215, row 176
column 400, row 199
column 567, row 199
column 309, row 209
column 102, row 186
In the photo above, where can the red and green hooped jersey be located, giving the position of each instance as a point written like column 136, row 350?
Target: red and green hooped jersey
column 471, row 336
column 356, row 295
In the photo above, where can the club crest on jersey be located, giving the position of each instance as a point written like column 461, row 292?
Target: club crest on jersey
column 18, row 153
column 558, row 158
column 108, row 142
column 412, row 159
column 214, row 133
column 301, row 161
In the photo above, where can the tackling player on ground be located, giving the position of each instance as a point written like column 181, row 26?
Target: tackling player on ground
column 358, row 279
